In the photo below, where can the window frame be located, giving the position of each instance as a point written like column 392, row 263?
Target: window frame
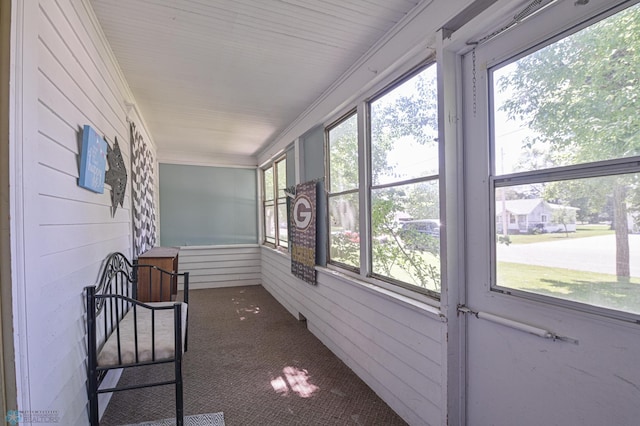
column 363, row 114
column 281, row 200
column 275, row 201
column 591, row 169
column 353, row 113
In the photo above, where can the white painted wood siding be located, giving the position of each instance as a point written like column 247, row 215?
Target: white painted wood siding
column 72, row 80
column 220, row 266
column 393, row 346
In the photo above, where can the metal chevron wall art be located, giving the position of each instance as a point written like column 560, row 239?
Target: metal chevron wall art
column 116, row 176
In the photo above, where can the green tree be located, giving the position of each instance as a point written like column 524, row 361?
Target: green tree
column 422, row 200
column 581, row 96
column 343, row 156
column 564, row 217
column 590, row 196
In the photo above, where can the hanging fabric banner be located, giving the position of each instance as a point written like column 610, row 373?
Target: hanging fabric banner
column 142, row 184
column 303, row 232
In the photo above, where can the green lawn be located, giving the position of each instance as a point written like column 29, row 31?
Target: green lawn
column 580, row 286
column 582, row 231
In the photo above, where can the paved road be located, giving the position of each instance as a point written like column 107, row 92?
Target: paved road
column 593, row 254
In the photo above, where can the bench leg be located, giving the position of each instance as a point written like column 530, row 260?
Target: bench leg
column 93, row 403
column 179, row 399
column 92, row 373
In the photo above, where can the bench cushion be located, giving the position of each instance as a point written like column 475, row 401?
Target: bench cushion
column 164, row 336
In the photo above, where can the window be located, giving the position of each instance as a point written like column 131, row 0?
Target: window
column 404, row 182
column 566, row 156
column 343, row 189
column 275, row 203
column 402, row 235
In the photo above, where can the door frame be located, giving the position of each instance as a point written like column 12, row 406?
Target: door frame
column 8, row 393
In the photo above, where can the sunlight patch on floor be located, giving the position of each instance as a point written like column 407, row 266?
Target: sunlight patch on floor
column 243, row 311
column 294, row 380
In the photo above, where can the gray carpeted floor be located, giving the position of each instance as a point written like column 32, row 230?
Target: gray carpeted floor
column 252, row 360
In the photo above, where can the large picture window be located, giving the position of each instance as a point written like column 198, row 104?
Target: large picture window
column 566, row 167
column 400, row 240
column 275, row 203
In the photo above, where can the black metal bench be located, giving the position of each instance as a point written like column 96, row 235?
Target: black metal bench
column 123, row 332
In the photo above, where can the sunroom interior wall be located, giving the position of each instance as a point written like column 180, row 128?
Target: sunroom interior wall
column 314, row 161
column 220, row 266
column 208, row 205
column 69, row 79
column 395, row 347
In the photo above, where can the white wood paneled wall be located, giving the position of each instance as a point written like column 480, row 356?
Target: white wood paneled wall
column 220, row 266
column 68, row 78
column 395, row 347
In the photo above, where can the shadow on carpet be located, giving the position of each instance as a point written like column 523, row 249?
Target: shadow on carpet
column 209, row 419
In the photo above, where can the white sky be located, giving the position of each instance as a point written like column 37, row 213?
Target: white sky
column 410, row 158
column 509, row 134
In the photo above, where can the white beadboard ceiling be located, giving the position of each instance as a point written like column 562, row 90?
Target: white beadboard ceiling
column 226, row 77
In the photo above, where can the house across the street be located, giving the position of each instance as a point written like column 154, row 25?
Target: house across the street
column 535, row 215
